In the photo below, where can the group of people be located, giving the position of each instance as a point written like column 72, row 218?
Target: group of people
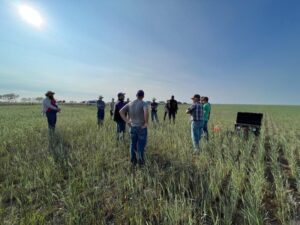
column 136, row 115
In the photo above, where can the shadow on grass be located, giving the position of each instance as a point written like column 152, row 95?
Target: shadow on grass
column 183, row 180
column 59, row 149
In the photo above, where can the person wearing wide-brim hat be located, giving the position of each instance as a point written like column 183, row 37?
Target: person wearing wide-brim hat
column 196, row 112
column 101, row 110
column 154, row 106
column 50, row 109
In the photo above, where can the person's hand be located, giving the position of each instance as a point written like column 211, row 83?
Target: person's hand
column 58, row 109
column 145, row 126
column 129, row 123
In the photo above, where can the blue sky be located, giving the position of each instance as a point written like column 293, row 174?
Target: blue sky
column 232, row 51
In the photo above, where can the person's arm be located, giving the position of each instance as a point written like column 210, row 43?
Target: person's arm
column 47, row 104
column 190, row 109
column 146, row 116
column 123, row 112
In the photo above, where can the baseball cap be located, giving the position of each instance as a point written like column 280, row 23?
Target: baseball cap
column 196, row 96
column 121, row 94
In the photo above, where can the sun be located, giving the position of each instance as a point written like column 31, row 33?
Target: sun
column 30, row 15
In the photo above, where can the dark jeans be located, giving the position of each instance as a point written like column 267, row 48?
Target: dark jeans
column 205, row 129
column 154, row 116
column 121, row 126
column 138, row 143
column 100, row 116
column 172, row 115
column 51, row 117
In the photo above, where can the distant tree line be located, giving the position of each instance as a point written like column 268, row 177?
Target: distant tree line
column 32, row 100
column 12, row 98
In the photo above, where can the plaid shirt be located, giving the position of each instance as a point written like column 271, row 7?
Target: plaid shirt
column 196, row 111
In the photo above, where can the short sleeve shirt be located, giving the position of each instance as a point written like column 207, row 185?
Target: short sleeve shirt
column 154, row 106
column 100, row 105
column 206, row 109
column 135, row 110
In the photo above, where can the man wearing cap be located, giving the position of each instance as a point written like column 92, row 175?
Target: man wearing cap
column 137, row 119
column 112, row 107
column 101, row 110
column 121, row 124
column 206, row 112
column 173, row 107
column 154, row 106
column 50, row 109
column 196, row 112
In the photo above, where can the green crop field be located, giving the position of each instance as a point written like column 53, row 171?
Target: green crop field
column 84, row 177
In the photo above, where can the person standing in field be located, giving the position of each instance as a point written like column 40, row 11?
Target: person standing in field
column 154, row 106
column 196, row 112
column 137, row 120
column 121, row 124
column 112, row 107
column 167, row 106
column 50, row 109
column 206, row 112
column 101, row 110
column 173, row 107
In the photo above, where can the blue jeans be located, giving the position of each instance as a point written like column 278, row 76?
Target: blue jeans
column 138, row 143
column 196, row 130
column 205, row 129
column 154, row 116
column 51, row 117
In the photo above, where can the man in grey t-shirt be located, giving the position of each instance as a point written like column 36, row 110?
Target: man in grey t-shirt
column 137, row 120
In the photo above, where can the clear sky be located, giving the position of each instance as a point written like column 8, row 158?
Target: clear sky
column 232, row 51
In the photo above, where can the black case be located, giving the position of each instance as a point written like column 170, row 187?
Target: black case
column 246, row 121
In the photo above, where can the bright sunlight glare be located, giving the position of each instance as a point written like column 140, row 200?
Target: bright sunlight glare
column 30, row 15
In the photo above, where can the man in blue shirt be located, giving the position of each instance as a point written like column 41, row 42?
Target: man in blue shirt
column 196, row 112
column 101, row 109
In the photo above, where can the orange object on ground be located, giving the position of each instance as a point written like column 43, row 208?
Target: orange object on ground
column 216, row 129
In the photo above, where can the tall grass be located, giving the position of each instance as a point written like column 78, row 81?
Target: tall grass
column 81, row 175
